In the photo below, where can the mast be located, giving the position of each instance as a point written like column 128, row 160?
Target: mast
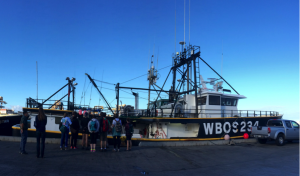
column 37, row 87
column 152, row 78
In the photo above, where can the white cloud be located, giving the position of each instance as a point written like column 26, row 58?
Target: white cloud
column 16, row 108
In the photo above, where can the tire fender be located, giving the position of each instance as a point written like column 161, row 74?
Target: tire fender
column 278, row 132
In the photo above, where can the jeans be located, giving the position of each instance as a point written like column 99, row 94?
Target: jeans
column 74, row 139
column 23, row 140
column 64, row 138
column 117, row 141
column 40, row 147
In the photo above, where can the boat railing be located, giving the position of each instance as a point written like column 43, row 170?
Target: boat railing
column 35, row 103
column 203, row 113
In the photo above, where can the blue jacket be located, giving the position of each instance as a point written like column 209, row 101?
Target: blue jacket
column 68, row 122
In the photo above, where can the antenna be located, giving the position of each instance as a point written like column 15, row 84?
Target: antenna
column 184, row 24
column 222, row 61
column 157, row 58
column 189, row 21
column 175, row 26
column 148, row 58
column 37, row 84
column 153, row 51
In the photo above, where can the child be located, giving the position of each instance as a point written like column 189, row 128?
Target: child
column 93, row 129
column 85, row 131
column 117, row 130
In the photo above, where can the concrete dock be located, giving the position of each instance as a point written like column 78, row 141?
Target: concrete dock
column 238, row 159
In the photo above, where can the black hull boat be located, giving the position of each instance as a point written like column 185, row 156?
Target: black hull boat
column 192, row 112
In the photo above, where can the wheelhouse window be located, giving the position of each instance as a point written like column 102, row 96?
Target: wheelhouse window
column 228, row 101
column 57, row 120
column 202, row 100
column 214, row 100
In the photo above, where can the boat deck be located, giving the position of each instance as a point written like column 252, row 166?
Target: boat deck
column 9, row 115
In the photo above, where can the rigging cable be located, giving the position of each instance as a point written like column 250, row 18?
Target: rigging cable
column 184, row 25
column 144, row 74
column 91, row 96
column 83, row 90
column 103, row 82
column 189, row 22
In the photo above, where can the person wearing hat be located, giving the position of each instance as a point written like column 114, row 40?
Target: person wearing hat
column 85, row 131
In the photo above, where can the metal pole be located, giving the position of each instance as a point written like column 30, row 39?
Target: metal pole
column 118, row 91
column 73, row 97
column 174, row 77
column 164, row 85
column 149, row 94
column 55, row 93
column 95, row 85
column 219, row 75
column 37, row 83
column 195, row 87
column 69, row 95
column 188, row 77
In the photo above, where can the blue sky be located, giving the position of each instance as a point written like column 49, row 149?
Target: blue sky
column 112, row 39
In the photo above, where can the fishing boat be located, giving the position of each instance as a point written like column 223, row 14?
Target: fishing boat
column 192, row 112
column 8, row 118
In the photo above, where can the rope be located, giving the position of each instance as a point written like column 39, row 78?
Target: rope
column 82, row 90
column 144, row 75
column 104, row 82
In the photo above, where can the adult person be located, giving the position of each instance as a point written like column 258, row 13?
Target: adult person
column 40, row 125
column 65, row 128
column 117, row 130
column 74, row 130
column 105, row 125
column 93, row 129
column 85, row 132
column 24, row 132
column 129, row 133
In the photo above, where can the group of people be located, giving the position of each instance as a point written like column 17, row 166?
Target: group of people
column 90, row 127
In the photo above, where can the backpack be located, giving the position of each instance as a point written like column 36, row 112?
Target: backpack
column 63, row 126
column 64, row 121
column 93, row 126
column 130, row 128
column 118, row 126
column 104, row 125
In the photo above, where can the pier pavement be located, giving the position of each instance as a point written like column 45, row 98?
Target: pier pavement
column 240, row 159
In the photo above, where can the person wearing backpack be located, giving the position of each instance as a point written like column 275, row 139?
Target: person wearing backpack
column 85, row 131
column 65, row 128
column 129, row 133
column 93, row 129
column 74, row 130
column 117, row 130
column 40, row 125
column 104, row 124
